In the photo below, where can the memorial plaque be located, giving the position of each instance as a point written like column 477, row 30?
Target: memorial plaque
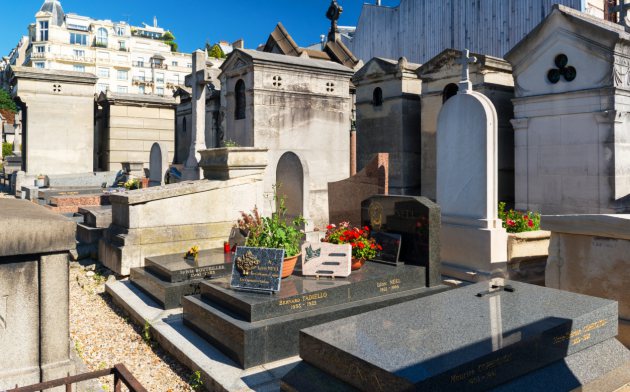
column 324, row 259
column 416, row 220
column 178, row 268
column 391, row 247
column 257, row 269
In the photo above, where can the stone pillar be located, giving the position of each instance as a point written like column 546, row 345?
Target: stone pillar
column 198, row 103
column 353, row 151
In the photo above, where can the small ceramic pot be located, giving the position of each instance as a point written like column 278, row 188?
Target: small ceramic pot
column 357, row 264
column 289, row 265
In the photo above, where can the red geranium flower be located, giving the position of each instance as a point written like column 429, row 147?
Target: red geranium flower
column 530, row 223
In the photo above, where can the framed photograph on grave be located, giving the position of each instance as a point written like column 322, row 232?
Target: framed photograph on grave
column 391, row 244
column 257, row 269
column 324, row 259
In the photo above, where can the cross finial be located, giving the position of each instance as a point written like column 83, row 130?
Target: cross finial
column 465, row 60
column 622, row 9
column 333, row 13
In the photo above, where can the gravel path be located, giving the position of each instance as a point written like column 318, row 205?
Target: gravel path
column 103, row 336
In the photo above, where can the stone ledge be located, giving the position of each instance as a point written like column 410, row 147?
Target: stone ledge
column 28, row 228
column 597, row 225
column 172, row 190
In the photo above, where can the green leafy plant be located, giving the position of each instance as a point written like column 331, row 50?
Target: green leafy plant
column 517, row 221
column 195, row 381
column 215, row 51
column 7, row 149
column 169, row 39
column 273, row 231
column 6, row 102
column 146, row 333
column 229, row 143
column 363, row 247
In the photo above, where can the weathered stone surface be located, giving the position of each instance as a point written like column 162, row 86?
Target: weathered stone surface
column 588, row 254
column 233, row 162
column 28, row 228
column 97, row 216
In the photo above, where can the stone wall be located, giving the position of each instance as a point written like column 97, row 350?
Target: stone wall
column 57, row 120
column 129, row 125
column 590, row 254
column 34, row 294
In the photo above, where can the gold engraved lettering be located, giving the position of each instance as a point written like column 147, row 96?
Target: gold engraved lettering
column 580, row 335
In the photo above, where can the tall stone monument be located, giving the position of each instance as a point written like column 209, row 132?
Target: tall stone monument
column 474, row 244
column 198, row 81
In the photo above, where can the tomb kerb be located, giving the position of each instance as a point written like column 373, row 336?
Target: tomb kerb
column 474, row 243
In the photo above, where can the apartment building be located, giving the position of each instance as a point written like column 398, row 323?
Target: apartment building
column 125, row 58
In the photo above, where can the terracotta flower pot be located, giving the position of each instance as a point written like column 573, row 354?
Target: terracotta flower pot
column 357, row 263
column 289, row 265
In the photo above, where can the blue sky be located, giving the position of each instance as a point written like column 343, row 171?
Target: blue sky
column 196, row 21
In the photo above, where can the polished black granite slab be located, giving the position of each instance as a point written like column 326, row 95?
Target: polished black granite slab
column 301, row 294
column 473, row 338
column 167, row 294
column 417, row 220
column 601, row 367
column 256, row 343
column 177, row 268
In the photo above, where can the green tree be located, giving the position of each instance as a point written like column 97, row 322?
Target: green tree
column 6, row 102
column 169, row 39
column 215, row 51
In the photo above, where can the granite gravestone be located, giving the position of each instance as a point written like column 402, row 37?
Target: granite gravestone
column 168, row 278
column 416, row 220
column 516, row 329
column 158, row 163
column 257, row 269
column 324, row 259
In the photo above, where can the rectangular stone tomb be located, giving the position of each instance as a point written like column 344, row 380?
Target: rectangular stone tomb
column 473, row 338
column 257, row 269
column 168, row 278
column 326, row 260
column 416, row 220
column 254, row 328
column 390, row 244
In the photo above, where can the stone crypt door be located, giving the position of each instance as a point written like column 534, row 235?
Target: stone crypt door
column 290, row 183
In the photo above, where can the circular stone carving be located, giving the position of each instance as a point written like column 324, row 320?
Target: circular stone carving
column 553, row 75
column 561, row 60
column 569, row 73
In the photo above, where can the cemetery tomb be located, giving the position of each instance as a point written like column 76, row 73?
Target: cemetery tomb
column 254, row 328
column 496, row 335
column 168, row 278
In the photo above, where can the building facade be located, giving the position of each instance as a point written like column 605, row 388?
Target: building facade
column 125, row 58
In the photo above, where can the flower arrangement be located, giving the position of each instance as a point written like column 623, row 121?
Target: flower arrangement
column 518, row 222
column 132, row 183
column 273, row 231
column 192, row 252
column 363, row 247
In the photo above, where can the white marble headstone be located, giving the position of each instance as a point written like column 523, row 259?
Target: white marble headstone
column 324, row 259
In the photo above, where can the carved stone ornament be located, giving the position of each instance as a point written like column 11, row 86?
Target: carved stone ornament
column 247, row 263
column 563, row 69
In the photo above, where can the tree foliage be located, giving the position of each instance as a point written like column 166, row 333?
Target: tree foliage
column 6, row 102
column 169, row 39
column 215, row 51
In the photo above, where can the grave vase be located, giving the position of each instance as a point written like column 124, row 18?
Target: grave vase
column 357, row 263
column 289, row 265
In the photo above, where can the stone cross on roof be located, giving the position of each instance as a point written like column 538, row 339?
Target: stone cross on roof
column 465, row 60
column 333, row 13
column 622, row 9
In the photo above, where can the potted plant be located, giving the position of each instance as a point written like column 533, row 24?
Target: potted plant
column 527, row 246
column 274, row 232
column 40, row 182
column 132, row 183
column 192, row 253
column 363, row 247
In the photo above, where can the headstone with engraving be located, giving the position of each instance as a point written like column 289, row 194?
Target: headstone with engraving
column 498, row 332
column 168, row 278
column 257, row 269
column 416, row 220
column 322, row 259
column 254, row 328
